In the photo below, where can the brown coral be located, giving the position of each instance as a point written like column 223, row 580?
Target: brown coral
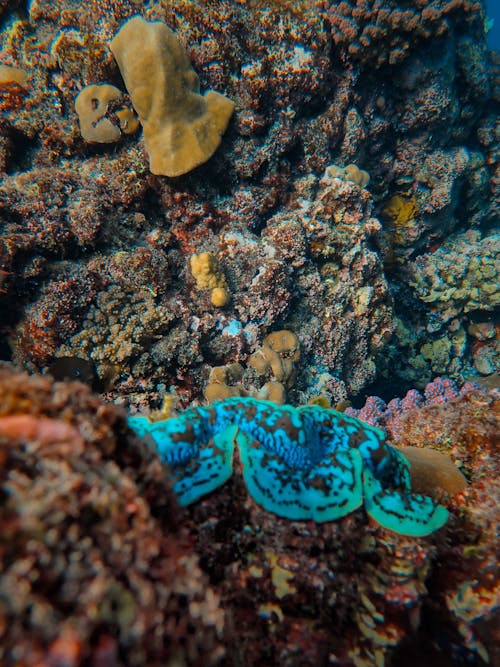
column 92, row 106
column 432, row 470
column 93, row 564
column 273, row 363
column 182, row 129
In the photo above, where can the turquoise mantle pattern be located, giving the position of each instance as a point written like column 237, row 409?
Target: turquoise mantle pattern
column 299, row 463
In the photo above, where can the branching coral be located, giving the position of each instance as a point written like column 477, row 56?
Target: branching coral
column 118, row 329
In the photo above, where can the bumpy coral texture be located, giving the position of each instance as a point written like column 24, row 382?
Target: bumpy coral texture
column 461, row 276
column 303, row 101
column 93, row 564
column 377, row 34
column 270, row 371
column 117, row 329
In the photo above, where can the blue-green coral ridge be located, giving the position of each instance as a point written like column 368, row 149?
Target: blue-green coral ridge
column 299, row 463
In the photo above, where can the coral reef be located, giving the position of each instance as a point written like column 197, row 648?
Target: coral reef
column 351, row 172
column 379, row 34
column 115, row 329
column 349, row 213
column 299, row 251
column 278, row 355
column 461, row 276
column 455, row 333
column 95, row 568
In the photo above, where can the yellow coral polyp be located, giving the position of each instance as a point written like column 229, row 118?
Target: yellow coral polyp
column 401, row 209
column 207, row 274
column 219, row 297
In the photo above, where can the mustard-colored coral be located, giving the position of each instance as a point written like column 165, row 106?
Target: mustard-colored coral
column 274, row 392
column 182, row 129
column 280, row 577
column 223, row 382
column 207, row 274
column 401, row 210
column 321, row 401
column 219, row 297
column 96, row 124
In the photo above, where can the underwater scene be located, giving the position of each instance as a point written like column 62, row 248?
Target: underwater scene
column 249, row 334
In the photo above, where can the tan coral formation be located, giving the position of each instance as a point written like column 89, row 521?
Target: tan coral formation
column 431, row 470
column 274, row 362
column 280, row 350
column 224, row 382
column 208, row 275
column 349, row 173
column 182, row 129
column 92, row 107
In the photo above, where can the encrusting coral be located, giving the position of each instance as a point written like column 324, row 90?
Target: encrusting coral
column 431, row 470
column 92, row 104
column 182, row 129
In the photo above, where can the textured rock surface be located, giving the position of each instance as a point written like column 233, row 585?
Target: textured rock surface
column 94, row 564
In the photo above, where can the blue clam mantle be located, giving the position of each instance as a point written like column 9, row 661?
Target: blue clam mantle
column 299, row 463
